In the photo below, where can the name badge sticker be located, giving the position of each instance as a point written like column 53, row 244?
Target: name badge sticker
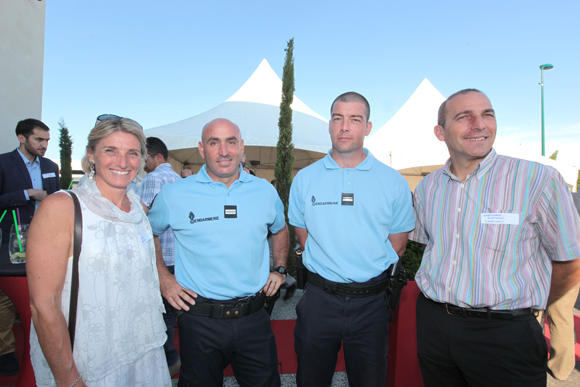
column 500, row 218
column 145, row 236
column 230, row 211
column 47, row 175
column 347, row 199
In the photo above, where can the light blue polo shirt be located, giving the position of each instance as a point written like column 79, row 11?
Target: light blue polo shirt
column 216, row 256
column 349, row 214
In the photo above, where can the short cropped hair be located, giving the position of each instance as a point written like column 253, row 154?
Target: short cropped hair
column 443, row 107
column 109, row 126
column 155, row 146
column 351, row 96
column 25, row 127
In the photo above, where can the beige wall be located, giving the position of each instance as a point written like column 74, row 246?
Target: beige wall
column 21, row 65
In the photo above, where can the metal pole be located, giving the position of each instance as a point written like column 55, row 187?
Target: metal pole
column 543, row 129
column 543, row 67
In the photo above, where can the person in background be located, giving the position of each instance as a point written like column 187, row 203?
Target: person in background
column 26, row 178
column 560, row 317
column 503, row 238
column 119, row 325
column 246, row 166
column 159, row 173
column 186, row 173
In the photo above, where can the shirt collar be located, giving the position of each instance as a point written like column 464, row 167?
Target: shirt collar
column 486, row 164
column 163, row 166
column 365, row 165
column 26, row 161
column 479, row 171
column 203, row 177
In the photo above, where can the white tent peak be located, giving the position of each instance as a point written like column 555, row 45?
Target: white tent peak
column 407, row 139
column 264, row 86
column 425, row 96
column 255, row 109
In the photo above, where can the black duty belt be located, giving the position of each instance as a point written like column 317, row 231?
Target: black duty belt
column 483, row 312
column 350, row 289
column 227, row 309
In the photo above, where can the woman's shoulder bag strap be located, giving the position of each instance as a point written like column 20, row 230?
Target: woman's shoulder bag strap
column 74, row 290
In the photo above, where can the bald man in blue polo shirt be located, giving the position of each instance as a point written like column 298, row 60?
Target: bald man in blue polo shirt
column 221, row 218
column 352, row 216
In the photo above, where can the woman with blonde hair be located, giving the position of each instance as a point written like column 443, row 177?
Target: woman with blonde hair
column 119, row 330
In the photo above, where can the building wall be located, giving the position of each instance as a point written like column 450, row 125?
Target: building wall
column 21, row 65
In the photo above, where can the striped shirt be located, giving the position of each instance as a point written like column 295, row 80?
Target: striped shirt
column 151, row 186
column 490, row 238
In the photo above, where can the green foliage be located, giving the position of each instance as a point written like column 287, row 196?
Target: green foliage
column 65, row 143
column 578, row 183
column 554, row 155
column 285, row 147
column 412, row 258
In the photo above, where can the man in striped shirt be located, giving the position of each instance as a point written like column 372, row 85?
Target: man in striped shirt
column 503, row 238
column 159, row 173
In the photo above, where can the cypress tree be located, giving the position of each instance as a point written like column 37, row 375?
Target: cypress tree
column 285, row 147
column 65, row 143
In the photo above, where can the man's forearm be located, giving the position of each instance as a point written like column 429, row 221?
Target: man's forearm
column 301, row 235
column 399, row 242
column 15, row 198
column 280, row 246
column 564, row 276
column 161, row 267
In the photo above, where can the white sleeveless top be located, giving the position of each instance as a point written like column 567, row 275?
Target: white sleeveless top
column 119, row 313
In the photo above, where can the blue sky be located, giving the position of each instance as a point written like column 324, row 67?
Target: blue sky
column 163, row 61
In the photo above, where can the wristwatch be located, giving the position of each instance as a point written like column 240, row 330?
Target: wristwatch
column 281, row 270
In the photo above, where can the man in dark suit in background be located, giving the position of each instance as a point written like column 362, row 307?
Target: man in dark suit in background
column 26, row 178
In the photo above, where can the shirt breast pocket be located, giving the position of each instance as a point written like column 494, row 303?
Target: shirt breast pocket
column 499, row 229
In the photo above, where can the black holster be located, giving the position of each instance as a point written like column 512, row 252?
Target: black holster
column 397, row 280
column 301, row 271
column 270, row 301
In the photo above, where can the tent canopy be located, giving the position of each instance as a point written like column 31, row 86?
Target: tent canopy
column 255, row 109
column 407, row 139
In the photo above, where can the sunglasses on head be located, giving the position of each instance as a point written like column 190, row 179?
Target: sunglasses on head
column 104, row 117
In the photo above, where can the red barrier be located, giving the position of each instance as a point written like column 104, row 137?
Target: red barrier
column 403, row 369
column 17, row 289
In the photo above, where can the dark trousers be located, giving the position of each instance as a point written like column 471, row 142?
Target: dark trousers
column 471, row 351
column 324, row 320
column 208, row 345
column 171, row 352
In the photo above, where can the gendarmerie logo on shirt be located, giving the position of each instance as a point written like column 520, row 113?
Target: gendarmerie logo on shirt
column 192, row 219
column 315, row 203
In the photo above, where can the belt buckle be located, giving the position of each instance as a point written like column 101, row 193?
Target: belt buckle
column 229, row 312
column 447, row 309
